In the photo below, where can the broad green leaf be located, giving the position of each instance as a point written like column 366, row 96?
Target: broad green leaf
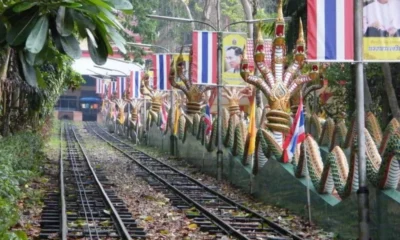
column 81, row 19
column 3, row 32
column 71, row 5
column 91, row 38
column 20, row 7
column 118, row 40
column 99, row 55
column 20, row 30
column 109, row 18
column 71, row 46
column 56, row 39
column 121, row 4
column 36, row 59
column 30, row 58
column 102, row 33
column 37, row 37
column 28, row 70
column 101, row 4
column 64, row 21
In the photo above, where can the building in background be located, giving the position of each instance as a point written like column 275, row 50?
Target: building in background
column 84, row 104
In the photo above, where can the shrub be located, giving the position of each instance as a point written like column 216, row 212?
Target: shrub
column 20, row 160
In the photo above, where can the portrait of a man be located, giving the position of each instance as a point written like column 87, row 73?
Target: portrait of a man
column 232, row 59
column 381, row 18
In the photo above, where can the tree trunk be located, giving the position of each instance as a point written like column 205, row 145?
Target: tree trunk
column 249, row 16
column 391, row 95
column 189, row 13
column 210, row 12
column 3, row 71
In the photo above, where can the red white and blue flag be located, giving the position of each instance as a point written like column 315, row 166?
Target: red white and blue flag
column 204, row 61
column 121, row 86
column 135, row 84
column 207, row 115
column 161, row 67
column 164, row 117
column 297, row 134
column 330, row 28
column 99, row 86
column 112, row 88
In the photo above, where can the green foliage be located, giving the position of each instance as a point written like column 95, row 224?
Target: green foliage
column 339, row 76
column 20, row 160
column 27, row 25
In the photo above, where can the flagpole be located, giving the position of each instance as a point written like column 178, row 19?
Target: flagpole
column 219, row 120
column 362, row 192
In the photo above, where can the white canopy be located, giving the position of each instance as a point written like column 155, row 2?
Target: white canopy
column 112, row 67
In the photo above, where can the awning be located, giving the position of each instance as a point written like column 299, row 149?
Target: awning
column 90, row 100
column 85, row 66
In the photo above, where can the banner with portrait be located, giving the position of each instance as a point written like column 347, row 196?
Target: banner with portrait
column 186, row 64
column 381, row 29
column 232, row 50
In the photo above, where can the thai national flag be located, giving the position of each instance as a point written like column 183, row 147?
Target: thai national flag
column 161, row 66
column 204, row 63
column 112, row 88
column 164, row 117
column 208, row 120
column 99, row 84
column 121, row 86
column 330, row 30
column 208, row 116
column 297, row 134
column 135, row 84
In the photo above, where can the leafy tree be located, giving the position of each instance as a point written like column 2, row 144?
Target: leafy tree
column 34, row 32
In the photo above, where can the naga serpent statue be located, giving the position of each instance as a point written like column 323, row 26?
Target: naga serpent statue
column 120, row 121
column 156, row 99
column 194, row 93
column 330, row 147
column 338, row 173
column 132, row 123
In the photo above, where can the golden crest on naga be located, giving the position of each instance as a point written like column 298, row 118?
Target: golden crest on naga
column 278, row 83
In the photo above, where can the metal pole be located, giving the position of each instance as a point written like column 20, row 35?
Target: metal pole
column 145, row 120
column 219, row 109
column 129, row 121
column 362, row 193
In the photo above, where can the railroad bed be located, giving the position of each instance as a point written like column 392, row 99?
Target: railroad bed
column 85, row 207
column 210, row 210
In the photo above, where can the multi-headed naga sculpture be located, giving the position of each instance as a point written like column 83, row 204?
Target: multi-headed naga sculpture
column 339, row 170
column 276, row 83
column 194, row 93
column 121, row 115
column 233, row 117
column 132, row 123
column 156, row 99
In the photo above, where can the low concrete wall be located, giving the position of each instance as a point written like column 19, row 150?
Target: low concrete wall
column 70, row 115
column 276, row 184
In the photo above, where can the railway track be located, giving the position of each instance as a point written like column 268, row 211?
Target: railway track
column 85, row 207
column 210, row 210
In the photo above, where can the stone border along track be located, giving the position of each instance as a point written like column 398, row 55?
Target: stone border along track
column 86, row 207
column 210, row 210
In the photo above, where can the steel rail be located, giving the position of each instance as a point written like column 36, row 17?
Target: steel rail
column 63, row 226
column 275, row 226
column 225, row 226
column 81, row 187
column 119, row 221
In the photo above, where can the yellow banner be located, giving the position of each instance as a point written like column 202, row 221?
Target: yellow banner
column 382, row 48
column 231, row 54
column 186, row 59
